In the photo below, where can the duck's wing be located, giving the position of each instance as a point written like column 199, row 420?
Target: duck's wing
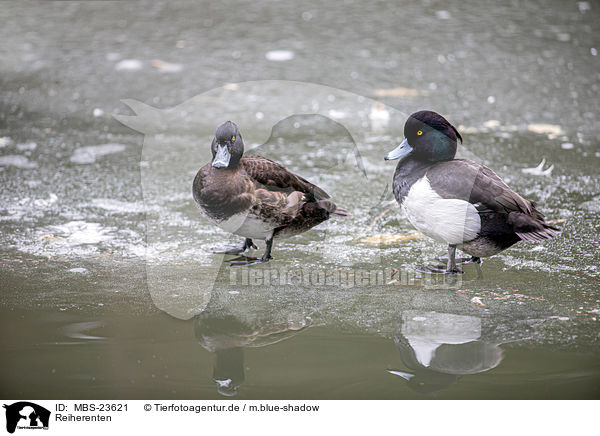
column 482, row 187
column 276, row 177
column 469, row 181
column 277, row 207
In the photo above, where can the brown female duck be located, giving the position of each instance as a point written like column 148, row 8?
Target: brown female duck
column 256, row 198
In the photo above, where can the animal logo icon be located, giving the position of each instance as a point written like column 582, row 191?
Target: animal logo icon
column 25, row 414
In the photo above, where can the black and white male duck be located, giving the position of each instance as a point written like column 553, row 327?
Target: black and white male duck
column 456, row 201
column 256, row 198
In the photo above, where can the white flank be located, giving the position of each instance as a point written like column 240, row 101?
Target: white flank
column 247, row 225
column 446, row 220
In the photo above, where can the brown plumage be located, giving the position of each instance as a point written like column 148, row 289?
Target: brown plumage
column 265, row 189
column 277, row 177
column 257, row 198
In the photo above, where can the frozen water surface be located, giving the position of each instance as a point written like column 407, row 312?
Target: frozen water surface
column 107, row 269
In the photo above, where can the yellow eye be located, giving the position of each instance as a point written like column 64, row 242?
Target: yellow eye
column 232, row 138
column 420, row 132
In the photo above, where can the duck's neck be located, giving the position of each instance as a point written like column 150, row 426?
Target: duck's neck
column 408, row 171
column 226, row 172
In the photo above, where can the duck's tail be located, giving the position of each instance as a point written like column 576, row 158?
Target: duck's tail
column 340, row 212
column 332, row 208
column 532, row 228
column 548, row 232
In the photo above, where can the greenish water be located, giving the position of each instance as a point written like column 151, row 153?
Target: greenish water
column 109, row 286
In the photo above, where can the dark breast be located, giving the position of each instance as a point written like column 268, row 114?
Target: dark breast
column 222, row 193
column 407, row 173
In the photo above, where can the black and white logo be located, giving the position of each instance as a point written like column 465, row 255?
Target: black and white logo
column 26, row 415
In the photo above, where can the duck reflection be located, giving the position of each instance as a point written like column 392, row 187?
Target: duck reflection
column 439, row 348
column 227, row 336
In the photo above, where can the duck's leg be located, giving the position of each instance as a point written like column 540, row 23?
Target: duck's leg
column 451, row 268
column 236, row 250
column 267, row 254
column 241, row 261
column 459, row 260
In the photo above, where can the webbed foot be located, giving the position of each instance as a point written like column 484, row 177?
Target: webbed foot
column 236, row 250
column 438, row 269
column 247, row 261
column 459, row 260
column 450, row 268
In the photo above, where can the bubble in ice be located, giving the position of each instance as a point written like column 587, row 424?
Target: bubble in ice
column 27, row 146
column 82, row 232
column 89, row 154
column 129, row 65
column 117, row 206
column 336, row 115
column 44, row 202
column 5, row 141
column 16, row 160
column 279, row 55
column 583, row 6
column 592, row 205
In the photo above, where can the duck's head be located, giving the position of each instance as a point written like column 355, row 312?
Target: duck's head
column 429, row 137
column 227, row 147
